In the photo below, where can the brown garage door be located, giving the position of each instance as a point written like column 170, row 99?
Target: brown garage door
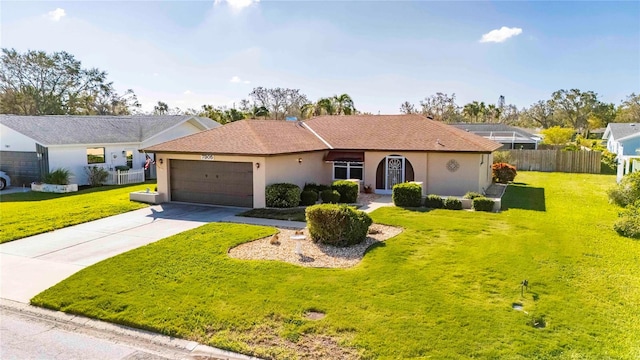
column 212, row 182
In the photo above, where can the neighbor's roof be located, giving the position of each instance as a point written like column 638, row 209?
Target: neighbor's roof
column 396, row 132
column 483, row 128
column 500, row 132
column 247, row 137
column 67, row 130
column 356, row 132
column 621, row 130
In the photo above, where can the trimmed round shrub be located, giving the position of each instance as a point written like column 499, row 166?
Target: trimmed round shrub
column 503, row 172
column 407, row 194
column 628, row 223
column 330, row 196
column 348, row 190
column 282, row 195
column 452, row 203
column 308, row 197
column 433, row 202
column 337, row 225
column 482, row 204
column 627, row 191
column 472, row 195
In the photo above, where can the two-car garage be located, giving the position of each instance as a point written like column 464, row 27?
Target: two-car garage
column 212, row 182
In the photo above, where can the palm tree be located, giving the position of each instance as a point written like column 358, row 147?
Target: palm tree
column 310, row 109
column 343, row 104
column 327, row 105
column 161, row 109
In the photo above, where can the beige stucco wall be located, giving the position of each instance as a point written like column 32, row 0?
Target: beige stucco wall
column 431, row 170
column 287, row 168
column 469, row 176
column 258, row 173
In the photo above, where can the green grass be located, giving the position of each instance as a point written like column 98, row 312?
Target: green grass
column 294, row 214
column 442, row 289
column 31, row 213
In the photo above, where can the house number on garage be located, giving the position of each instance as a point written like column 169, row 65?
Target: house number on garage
column 206, row 157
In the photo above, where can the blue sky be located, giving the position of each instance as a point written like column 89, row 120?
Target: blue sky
column 382, row 53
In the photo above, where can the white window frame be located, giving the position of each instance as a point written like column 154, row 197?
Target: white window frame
column 349, row 165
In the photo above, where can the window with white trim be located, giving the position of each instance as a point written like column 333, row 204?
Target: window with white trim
column 343, row 170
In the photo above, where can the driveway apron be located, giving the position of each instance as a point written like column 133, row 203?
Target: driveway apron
column 31, row 265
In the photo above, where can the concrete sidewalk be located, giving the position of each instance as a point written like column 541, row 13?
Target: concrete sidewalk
column 33, row 264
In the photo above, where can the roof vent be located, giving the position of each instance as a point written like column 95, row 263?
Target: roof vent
column 632, row 124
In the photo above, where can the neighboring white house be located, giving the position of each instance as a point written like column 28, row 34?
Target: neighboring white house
column 623, row 139
column 31, row 146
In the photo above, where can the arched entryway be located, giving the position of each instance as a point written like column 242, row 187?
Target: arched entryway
column 393, row 169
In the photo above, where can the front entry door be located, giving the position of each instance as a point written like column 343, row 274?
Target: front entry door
column 395, row 171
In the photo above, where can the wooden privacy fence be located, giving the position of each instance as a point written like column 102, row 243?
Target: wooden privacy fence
column 557, row 160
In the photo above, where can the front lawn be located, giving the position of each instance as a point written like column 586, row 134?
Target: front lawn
column 442, row 289
column 31, row 213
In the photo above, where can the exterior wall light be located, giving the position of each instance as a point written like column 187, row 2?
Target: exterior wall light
column 257, row 165
column 299, row 160
column 160, row 161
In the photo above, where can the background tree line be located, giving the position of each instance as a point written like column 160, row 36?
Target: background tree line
column 37, row 83
column 579, row 110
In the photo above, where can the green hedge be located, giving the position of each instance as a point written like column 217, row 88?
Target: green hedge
column 330, row 196
column 318, row 188
column 338, row 225
column 628, row 223
column 452, row 203
column 433, row 202
column 482, row 204
column 348, row 191
column 407, row 194
column 308, row 197
column 627, row 191
column 472, row 195
column 282, row 195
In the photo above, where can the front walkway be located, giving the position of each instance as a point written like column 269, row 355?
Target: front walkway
column 33, row 264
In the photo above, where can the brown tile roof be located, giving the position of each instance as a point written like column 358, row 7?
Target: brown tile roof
column 247, row 137
column 396, row 132
column 356, row 132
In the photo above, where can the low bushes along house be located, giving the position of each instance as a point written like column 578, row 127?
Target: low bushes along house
column 233, row 164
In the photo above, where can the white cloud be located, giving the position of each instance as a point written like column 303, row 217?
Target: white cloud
column 188, row 92
column 237, row 5
column 156, row 74
column 237, row 80
column 500, row 35
column 56, row 14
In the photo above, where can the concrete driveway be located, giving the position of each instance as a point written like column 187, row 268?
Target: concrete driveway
column 33, row 264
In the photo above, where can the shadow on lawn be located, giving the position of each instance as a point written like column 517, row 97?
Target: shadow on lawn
column 522, row 196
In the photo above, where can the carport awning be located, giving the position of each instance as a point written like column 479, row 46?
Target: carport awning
column 352, row 156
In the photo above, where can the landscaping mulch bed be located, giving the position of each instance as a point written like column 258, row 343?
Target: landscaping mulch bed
column 313, row 255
